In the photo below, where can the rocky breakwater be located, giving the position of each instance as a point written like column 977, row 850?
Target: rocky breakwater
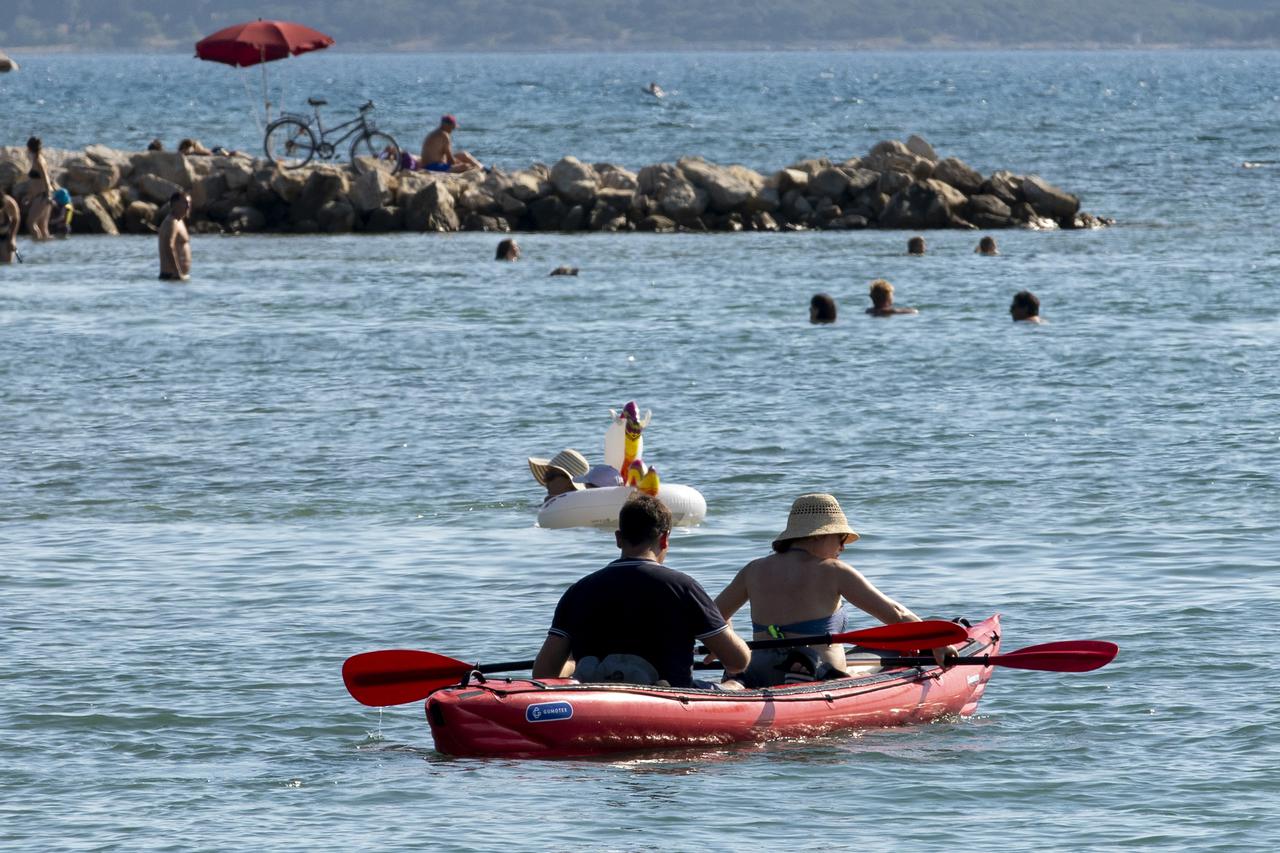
column 900, row 185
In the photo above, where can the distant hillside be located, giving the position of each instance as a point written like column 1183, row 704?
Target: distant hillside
column 657, row 24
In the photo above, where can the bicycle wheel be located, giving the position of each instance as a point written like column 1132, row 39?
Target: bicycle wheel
column 375, row 150
column 289, row 143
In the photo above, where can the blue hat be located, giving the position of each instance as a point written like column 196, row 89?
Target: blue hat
column 61, row 196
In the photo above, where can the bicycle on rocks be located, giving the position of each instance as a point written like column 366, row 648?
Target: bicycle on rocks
column 294, row 140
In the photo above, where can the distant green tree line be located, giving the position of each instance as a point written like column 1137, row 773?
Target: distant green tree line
column 653, row 24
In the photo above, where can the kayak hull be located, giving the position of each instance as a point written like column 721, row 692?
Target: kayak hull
column 560, row 718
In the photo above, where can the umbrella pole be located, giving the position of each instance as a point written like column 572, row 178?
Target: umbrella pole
column 266, row 104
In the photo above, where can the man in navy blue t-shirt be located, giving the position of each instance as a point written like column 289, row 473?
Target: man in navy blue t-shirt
column 636, row 607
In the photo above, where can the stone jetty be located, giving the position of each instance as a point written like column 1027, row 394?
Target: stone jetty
column 897, row 185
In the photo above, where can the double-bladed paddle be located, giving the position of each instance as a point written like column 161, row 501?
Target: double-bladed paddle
column 1065, row 656
column 397, row 676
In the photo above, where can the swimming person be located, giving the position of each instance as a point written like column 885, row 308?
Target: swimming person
column 654, row 89
column 822, row 309
column 10, row 222
column 438, row 154
column 798, row 591
column 508, row 250
column 987, row 246
column 1025, row 308
column 636, row 621
column 882, row 301
column 175, row 242
column 560, row 473
column 915, row 246
column 39, row 191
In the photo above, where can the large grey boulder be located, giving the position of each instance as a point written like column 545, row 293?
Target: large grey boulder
column 919, row 147
column 547, row 213
column 207, row 190
column 384, row 220
column 958, row 174
column 324, row 185
column 372, row 190
column 84, row 176
column 919, row 206
column 618, row 200
column 336, row 217
column 527, row 185
column 288, row 183
column 246, row 219
column 831, row 183
column 92, row 217
column 894, row 156
column 1048, row 200
column 657, row 224
column 860, row 179
column 432, row 209
column 575, row 181
column 988, row 211
column 156, row 189
column 682, row 201
column 140, row 218
column 893, row 182
column 1004, row 185
column 170, row 165
column 616, row 177
column 652, row 180
column 728, row 188
column 792, row 178
column 953, row 198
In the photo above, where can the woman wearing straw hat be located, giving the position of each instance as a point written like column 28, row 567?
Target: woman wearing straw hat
column 798, row 591
column 560, row 472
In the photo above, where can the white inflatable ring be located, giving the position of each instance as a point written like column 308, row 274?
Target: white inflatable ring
column 599, row 507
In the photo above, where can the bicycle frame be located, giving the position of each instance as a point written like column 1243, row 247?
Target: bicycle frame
column 359, row 124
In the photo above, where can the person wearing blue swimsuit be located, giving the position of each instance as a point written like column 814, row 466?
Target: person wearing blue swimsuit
column 799, row 591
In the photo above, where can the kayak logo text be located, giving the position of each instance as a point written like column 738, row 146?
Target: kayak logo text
column 546, row 712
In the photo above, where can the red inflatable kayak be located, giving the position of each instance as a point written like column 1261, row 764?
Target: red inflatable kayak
column 560, row 718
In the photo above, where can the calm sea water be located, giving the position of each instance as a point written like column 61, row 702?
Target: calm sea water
column 215, row 493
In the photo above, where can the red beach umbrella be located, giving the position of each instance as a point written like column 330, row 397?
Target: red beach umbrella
column 259, row 42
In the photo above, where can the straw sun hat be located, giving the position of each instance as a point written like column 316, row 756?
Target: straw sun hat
column 570, row 462
column 815, row 515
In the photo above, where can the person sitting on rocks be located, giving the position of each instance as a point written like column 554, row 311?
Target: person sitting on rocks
column 1025, row 308
column 155, row 145
column 799, row 590
column 558, row 474
column 822, row 309
column 438, row 154
column 508, row 250
column 193, row 147
column 987, row 246
column 882, row 301
column 915, row 246
column 10, row 221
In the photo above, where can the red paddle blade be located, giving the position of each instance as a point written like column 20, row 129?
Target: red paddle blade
column 906, row 636
column 397, row 676
column 1066, row 656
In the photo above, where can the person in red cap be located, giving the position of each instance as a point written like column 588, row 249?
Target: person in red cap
column 438, row 154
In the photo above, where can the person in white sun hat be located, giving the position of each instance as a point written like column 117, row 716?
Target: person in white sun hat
column 799, row 590
column 559, row 472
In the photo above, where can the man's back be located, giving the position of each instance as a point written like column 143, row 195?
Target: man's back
column 638, row 607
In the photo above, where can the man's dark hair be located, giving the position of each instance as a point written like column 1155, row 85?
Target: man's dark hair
column 504, row 248
column 643, row 519
column 34, row 144
column 176, row 196
column 822, row 308
column 1027, row 300
column 915, row 246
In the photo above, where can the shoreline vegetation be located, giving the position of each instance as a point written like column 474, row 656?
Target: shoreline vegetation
column 662, row 25
column 896, row 185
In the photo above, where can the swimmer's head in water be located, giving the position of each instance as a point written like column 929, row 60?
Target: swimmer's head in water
column 915, row 246
column 1025, row 305
column 448, row 121
column 987, row 246
column 881, row 292
column 822, row 308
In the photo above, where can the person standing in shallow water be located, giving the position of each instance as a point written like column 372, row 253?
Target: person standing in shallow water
column 822, row 309
column 882, row 301
column 10, row 221
column 39, row 191
column 175, row 242
column 1025, row 308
